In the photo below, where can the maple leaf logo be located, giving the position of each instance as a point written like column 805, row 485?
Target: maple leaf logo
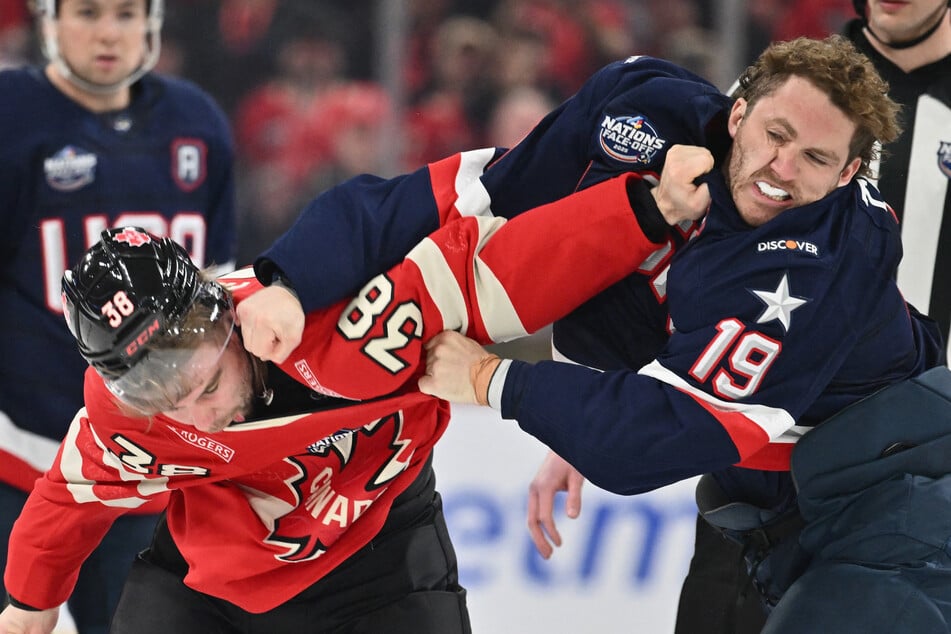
column 132, row 237
column 326, row 490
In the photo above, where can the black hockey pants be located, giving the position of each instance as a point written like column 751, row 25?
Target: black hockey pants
column 404, row 582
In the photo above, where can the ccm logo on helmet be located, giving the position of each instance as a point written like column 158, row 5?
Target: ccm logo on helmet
column 788, row 245
column 142, row 338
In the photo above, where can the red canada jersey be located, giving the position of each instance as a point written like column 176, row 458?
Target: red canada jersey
column 266, row 507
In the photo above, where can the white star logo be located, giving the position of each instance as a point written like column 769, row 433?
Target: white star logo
column 779, row 304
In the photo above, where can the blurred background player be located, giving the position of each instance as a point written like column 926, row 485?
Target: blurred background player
column 90, row 140
column 910, row 45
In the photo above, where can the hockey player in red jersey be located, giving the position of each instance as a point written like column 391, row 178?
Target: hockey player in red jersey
column 302, row 493
column 92, row 138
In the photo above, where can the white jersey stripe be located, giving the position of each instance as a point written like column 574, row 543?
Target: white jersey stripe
column 473, row 199
column 37, row 451
column 793, row 434
column 502, row 322
column 263, row 424
column 775, row 423
column 441, row 285
column 82, row 489
column 924, row 193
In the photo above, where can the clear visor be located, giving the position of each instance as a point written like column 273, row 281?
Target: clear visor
column 180, row 359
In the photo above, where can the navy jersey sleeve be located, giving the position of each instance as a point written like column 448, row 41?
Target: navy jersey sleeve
column 363, row 226
column 623, row 119
column 347, row 233
column 623, row 327
column 774, row 329
column 625, row 432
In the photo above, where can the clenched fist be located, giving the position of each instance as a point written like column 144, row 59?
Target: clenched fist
column 677, row 195
column 272, row 323
column 458, row 369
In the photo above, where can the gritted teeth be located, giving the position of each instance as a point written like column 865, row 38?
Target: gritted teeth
column 775, row 193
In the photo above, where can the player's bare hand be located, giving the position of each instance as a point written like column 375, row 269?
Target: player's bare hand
column 677, row 196
column 16, row 621
column 554, row 475
column 457, row 369
column 272, row 323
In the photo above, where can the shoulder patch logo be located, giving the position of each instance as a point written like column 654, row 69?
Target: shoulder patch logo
column 944, row 158
column 70, row 169
column 630, row 139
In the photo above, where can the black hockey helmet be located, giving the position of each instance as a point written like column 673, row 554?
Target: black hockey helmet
column 139, row 309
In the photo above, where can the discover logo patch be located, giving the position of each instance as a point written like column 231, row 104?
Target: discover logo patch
column 788, row 245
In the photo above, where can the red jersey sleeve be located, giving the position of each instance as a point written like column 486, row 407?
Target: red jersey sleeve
column 73, row 505
column 489, row 278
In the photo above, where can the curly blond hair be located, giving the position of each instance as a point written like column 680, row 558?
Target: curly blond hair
column 838, row 69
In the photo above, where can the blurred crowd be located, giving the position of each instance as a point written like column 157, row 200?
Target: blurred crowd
column 301, row 84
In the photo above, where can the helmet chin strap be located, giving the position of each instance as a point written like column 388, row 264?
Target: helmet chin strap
column 939, row 16
column 50, row 44
column 154, row 45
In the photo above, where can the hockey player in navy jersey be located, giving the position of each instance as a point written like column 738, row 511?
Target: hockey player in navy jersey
column 302, row 493
column 87, row 141
column 782, row 312
column 909, row 43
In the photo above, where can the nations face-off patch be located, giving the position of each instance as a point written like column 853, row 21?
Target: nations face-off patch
column 70, row 168
column 630, row 139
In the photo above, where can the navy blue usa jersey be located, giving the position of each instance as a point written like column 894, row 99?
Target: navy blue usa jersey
column 163, row 163
column 774, row 329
